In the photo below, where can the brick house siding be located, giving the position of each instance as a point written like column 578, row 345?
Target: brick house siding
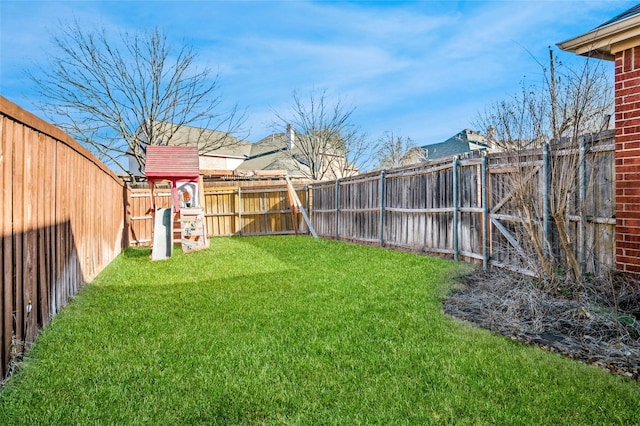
column 618, row 40
column 627, row 116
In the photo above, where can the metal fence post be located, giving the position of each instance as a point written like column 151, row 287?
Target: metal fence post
column 546, row 170
column 307, row 205
column 382, row 200
column 582, row 199
column 456, row 208
column 485, row 215
column 337, row 209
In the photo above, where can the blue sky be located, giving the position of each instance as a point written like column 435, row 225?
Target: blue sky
column 420, row 69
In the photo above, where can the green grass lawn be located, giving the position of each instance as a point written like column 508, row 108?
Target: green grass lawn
column 292, row 330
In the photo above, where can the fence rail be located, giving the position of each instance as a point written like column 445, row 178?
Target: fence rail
column 62, row 222
column 465, row 208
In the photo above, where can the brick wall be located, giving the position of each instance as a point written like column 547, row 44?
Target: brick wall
column 627, row 115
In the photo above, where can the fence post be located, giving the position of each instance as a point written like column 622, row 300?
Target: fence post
column 337, row 195
column 485, row 215
column 456, row 208
column 582, row 198
column 546, row 170
column 239, row 211
column 307, row 205
column 382, row 200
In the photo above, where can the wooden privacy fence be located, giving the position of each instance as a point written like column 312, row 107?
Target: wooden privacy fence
column 465, row 208
column 65, row 216
column 62, row 222
column 231, row 208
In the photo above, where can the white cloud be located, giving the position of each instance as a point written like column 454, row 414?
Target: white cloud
column 415, row 66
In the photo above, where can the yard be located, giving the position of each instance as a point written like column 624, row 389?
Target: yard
column 292, row 330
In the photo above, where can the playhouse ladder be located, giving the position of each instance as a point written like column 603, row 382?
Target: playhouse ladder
column 193, row 230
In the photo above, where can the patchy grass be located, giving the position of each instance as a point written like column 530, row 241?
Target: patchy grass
column 281, row 330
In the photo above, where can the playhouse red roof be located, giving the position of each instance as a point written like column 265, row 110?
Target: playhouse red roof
column 172, row 162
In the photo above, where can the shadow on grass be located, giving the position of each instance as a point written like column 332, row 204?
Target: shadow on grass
column 137, row 252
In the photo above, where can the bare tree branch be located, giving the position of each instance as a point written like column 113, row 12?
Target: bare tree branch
column 396, row 151
column 116, row 95
column 327, row 144
column 572, row 103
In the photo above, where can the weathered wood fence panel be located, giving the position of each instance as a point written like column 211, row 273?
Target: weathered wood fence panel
column 325, row 209
column 508, row 241
column 62, row 222
column 600, row 207
column 243, row 209
column 359, row 212
column 466, row 208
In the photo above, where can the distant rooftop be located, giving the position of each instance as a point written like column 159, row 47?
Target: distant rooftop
column 465, row 141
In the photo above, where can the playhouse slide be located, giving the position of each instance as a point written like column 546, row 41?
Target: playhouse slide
column 162, row 235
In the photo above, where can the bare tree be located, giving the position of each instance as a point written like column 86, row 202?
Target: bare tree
column 116, row 95
column 396, row 151
column 570, row 103
column 327, row 144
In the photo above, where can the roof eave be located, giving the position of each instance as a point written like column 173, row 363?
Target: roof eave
column 605, row 42
column 235, row 157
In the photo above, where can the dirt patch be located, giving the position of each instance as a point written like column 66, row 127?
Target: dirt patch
column 598, row 323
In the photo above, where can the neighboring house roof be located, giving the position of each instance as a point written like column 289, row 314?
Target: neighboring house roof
column 274, row 142
column 609, row 38
column 280, row 161
column 210, row 141
column 465, row 141
column 271, row 153
column 171, row 162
